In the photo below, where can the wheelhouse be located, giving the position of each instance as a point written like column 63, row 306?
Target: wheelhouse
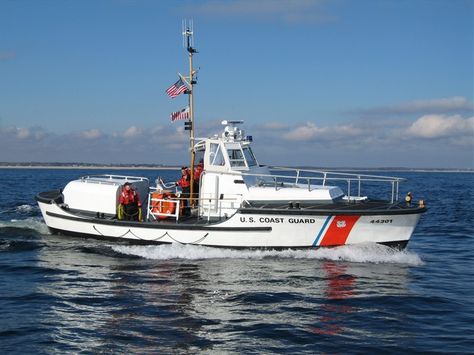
column 230, row 152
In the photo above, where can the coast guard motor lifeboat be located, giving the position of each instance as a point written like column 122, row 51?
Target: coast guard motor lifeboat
column 241, row 204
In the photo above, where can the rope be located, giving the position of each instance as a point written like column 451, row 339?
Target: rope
column 120, row 236
column 197, row 241
column 130, row 215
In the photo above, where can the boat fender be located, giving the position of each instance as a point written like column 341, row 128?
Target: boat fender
column 120, row 212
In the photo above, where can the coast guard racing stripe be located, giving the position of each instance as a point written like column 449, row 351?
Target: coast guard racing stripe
column 337, row 232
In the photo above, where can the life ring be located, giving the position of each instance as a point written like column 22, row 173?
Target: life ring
column 165, row 208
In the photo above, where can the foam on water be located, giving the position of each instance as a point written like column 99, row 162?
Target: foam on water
column 26, row 208
column 34, row 223
column 364, row 253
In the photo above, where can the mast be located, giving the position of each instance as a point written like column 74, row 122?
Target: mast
column 188, row 41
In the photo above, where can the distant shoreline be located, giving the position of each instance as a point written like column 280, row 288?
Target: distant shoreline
column 147, row 167
column 85, row 167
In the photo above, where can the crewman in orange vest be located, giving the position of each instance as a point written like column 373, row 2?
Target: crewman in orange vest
column 130, row 203
column 197, row 176
column 185, row 184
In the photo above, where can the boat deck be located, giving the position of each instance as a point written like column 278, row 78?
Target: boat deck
column 362, row 207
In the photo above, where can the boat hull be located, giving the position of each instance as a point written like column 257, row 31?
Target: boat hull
column 245, row 229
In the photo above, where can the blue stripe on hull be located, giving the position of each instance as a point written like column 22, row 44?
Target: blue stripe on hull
column 315, row 243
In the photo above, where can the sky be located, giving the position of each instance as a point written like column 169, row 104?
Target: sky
column 326, row 83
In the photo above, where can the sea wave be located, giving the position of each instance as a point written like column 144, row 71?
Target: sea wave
column 26, row 209
column 363, row 253
column 32, row 223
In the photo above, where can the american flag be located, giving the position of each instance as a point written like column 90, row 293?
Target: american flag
column 180, row 115
column 176, row 89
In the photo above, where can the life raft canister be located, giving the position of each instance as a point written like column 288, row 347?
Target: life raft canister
column 167, row 208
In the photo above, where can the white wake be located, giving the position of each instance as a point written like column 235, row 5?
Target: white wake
column 26, row 208
column 34, row 223
column 364, row 253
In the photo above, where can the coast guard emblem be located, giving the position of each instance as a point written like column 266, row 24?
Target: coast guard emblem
column 341, row 224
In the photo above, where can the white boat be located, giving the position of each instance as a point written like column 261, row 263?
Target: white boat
column 240, row 203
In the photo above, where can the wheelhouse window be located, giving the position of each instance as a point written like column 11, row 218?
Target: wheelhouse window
column 251, row 161
column 216, row 157
column 236, row 157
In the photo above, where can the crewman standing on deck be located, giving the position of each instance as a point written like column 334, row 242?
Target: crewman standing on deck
column 185, row 184
column 197, row 177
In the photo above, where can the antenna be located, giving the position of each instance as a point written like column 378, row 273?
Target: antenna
column 188, row 39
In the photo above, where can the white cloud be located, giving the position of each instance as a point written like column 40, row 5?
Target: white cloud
column 305, row 132
column 163, row 136
column 91, row 134
column 156, row 130
column 132, row 132
column 310, row 131
column 437, row 126
column 23, row 133
column 275, row 126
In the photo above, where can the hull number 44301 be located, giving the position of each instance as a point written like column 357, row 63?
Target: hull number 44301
column 381, row 221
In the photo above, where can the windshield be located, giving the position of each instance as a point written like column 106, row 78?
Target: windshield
column 236, row 157
column 251, row 161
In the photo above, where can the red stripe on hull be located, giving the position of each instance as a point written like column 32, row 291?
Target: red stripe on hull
column 339, row 230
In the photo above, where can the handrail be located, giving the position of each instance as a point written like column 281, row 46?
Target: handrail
column 160, row 201
column 326, row 176
column 336, row 173
column 355, row 178
column 110, row 177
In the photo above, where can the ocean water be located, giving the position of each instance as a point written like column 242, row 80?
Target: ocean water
column 61, row 294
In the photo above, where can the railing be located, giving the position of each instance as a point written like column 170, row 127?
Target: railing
column 311, row 178
column 212, row 205
column 217, row 205
column 109, row 179
column 155, row 206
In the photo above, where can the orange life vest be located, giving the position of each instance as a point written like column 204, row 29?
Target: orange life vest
column 198, row 171
column 130, row 197
column 185, row 180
